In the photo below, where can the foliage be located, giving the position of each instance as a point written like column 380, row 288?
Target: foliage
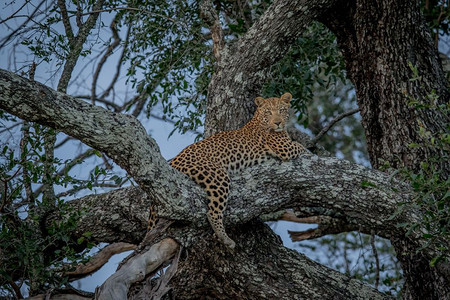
column 431, row 187
column 312, row 65
column 170, row 59
column 437, row 15
column 352, row 254
column 34, row 249
column 168, row 65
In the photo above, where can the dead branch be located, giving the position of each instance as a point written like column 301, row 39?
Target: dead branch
column 99, row 260
column 327, row 225
column 107, row 54
column 117, row 285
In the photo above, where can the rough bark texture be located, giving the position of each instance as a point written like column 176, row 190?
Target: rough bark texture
column 378, row 40
column 240, row 73
column 122, row 137
column 260, row 266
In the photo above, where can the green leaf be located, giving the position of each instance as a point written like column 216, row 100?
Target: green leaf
column 366, row 183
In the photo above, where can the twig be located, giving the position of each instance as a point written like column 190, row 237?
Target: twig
column 108, row 53
column 25, row 175
column 130, row 8
column 29, row 18
column 11, row 127
column 65, row 140
column 331, row 124
column 119, row 63
column 209, row 15
column 14, row 13
column 377, row 261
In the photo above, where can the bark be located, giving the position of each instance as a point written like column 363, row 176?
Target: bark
column 312, row 186
column 240, row 74
column 325, row 186
column 260, row 268
column 122, row 137
column 378, row 40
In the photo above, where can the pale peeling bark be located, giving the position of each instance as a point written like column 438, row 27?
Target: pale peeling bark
column 117, row 285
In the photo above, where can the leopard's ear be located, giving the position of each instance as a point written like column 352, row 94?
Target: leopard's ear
column 286, row 97
column 259, row 101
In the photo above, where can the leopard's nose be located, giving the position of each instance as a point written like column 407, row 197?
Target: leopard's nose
column 277, row 123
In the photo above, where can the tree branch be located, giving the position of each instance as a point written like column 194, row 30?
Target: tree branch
column 324, row 186
column 326, row 224
column 99, row 260
column 239, row 78
column 108, row 53
column 211, row 18
column 116, row 286
column 76, row 46
column 121, row 137
column 66, row 21
column 332, row 122
column 343, row 190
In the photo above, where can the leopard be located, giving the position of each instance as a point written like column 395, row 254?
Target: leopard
column 211, row 161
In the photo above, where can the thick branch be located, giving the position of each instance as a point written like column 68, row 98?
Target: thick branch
column 121, row 137
column 238, row 78
column 316, row 186
column 116, row 286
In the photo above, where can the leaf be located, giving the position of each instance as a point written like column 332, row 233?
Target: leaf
column 435, row 260
column 366, row 183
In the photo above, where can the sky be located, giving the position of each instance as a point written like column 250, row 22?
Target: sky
column 18, row 61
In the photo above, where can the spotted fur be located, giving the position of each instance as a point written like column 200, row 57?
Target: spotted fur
column 210, row 161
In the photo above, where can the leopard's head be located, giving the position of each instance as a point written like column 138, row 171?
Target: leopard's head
column 273, row 113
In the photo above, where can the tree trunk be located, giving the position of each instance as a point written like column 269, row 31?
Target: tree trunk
column 379, row 39
column 260, row 268
column 241, row 72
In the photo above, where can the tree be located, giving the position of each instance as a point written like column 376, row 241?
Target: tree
column 389, row 57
